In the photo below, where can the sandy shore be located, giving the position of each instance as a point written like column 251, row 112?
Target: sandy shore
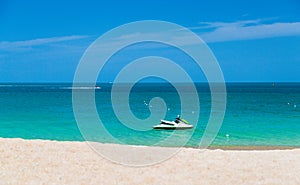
column 51, row 162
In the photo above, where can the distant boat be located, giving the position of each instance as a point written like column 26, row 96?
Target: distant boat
column 178, row 123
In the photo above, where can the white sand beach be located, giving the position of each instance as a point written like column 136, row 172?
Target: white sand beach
column 52, row 162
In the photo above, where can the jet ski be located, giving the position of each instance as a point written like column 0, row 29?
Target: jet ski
column 177, row 124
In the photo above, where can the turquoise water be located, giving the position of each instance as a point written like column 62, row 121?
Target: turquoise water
column 257, row 114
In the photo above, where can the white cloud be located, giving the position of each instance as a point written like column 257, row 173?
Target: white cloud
column 216, row 32
column 208, row 31
column 27, row 44
column 246, row 30
column 226, row 24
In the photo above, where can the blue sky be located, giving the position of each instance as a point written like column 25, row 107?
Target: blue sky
column 254, row 41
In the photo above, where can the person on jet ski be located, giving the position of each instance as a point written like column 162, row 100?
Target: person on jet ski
column 178, row 119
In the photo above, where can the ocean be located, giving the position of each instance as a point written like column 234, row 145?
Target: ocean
column 257, row 114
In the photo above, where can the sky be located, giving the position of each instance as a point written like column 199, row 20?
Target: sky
column 253, row 41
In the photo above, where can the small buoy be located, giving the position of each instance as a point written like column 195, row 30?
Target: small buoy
column 295, row 106
column 288, row 103
column 227, row 135
column 168, row 109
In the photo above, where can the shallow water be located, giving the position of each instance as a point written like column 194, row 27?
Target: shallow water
column 257, row 114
